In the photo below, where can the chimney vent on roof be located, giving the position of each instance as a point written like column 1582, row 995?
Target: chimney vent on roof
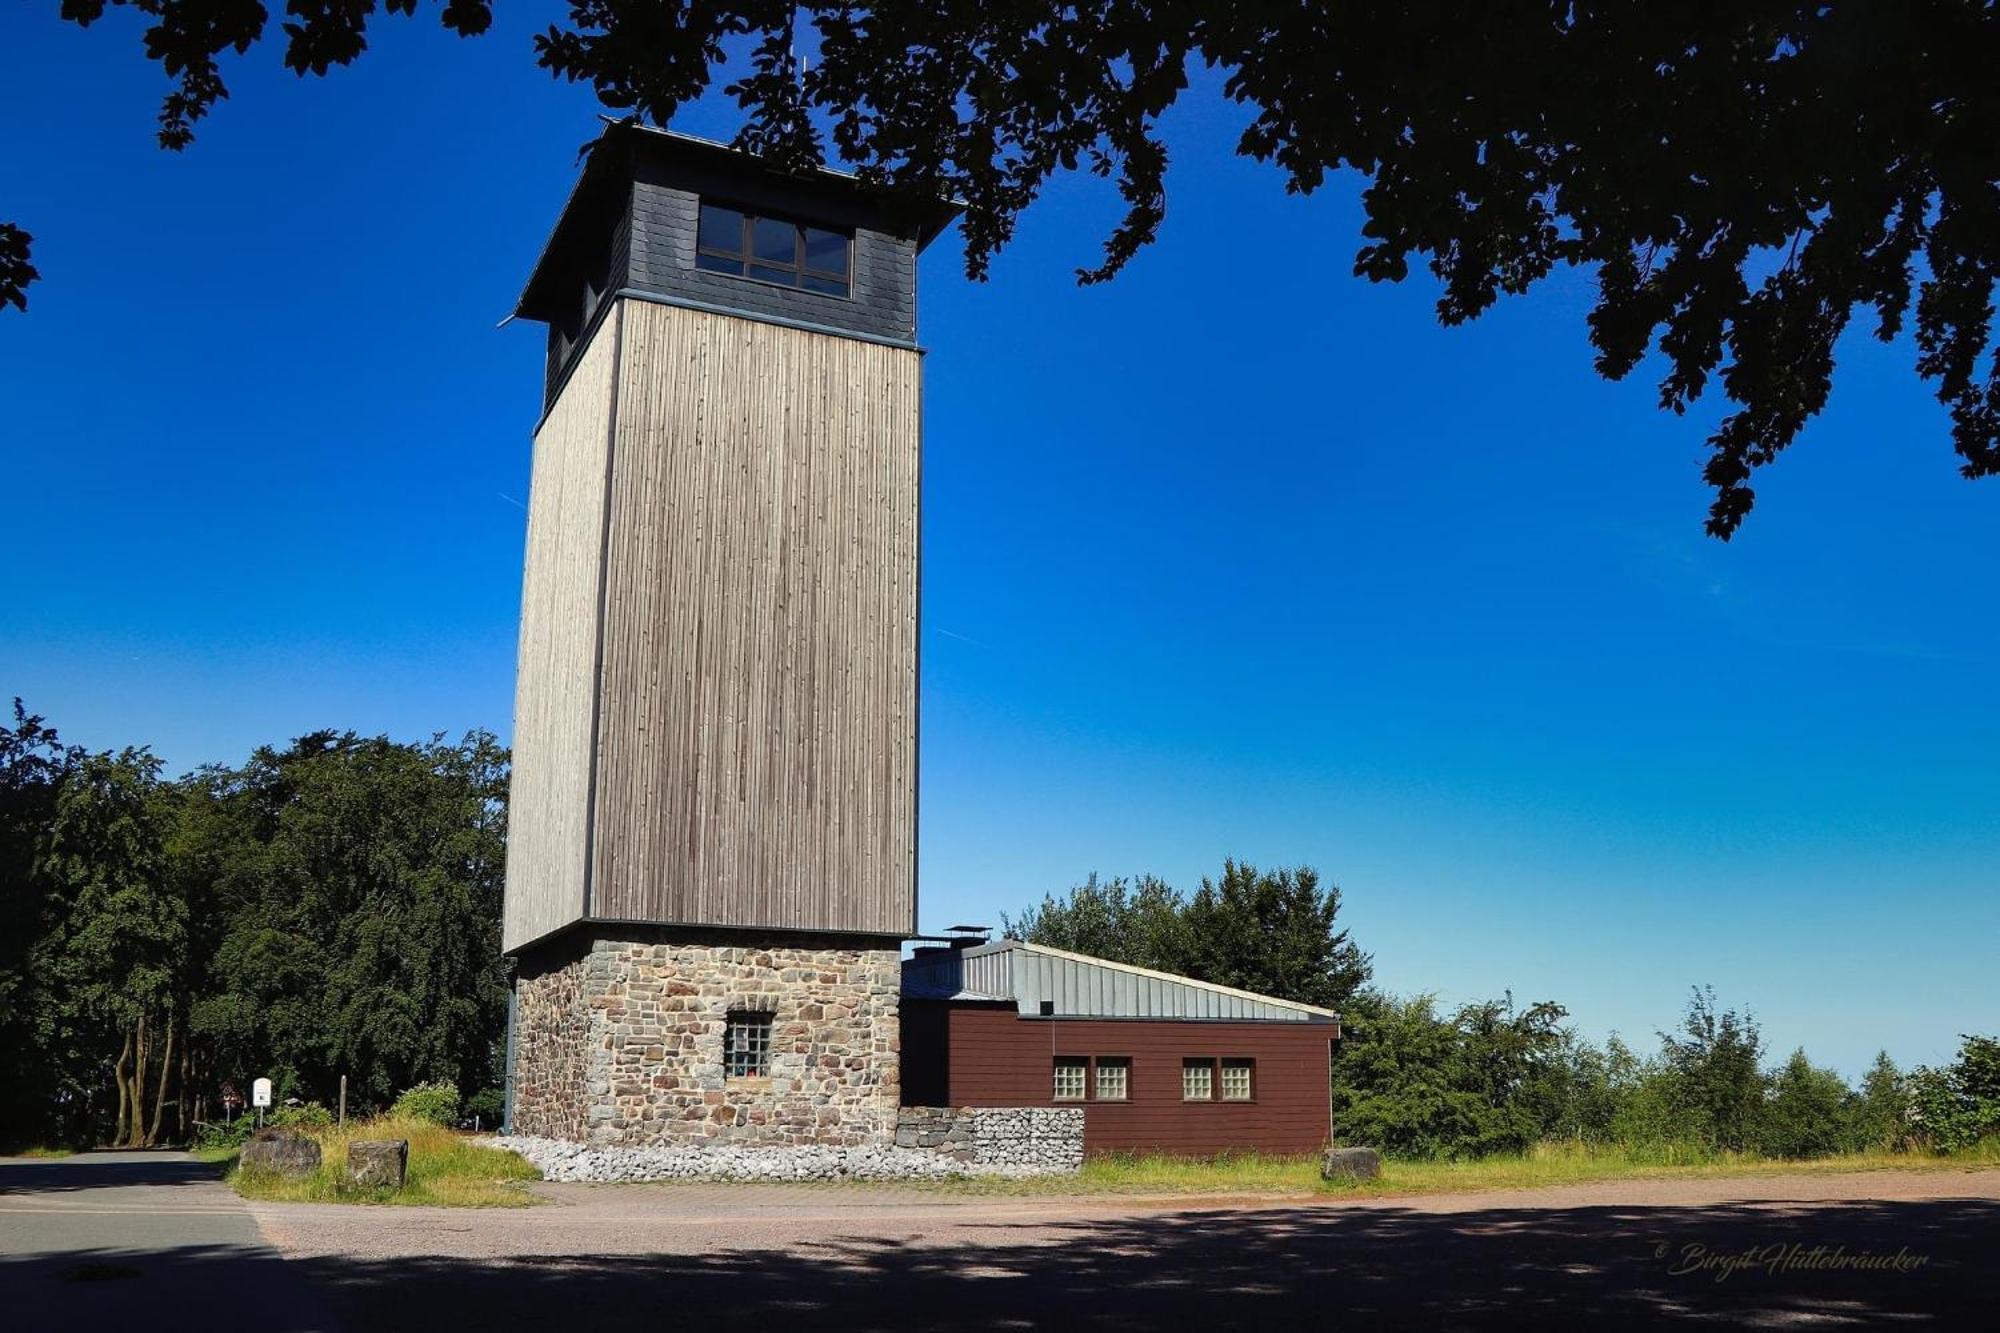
column 965, row 937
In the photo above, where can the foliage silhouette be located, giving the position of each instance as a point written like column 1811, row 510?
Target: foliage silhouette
column 1742, row 178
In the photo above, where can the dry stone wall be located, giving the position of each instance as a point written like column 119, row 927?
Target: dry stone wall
column 621, row 1043
column 931, row 1143
column 1040, row 1140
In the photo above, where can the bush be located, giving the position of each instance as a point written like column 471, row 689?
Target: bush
column 488, row 1106
column 216, row 1136
column 1810, row 1112
column 1416, row 1083
column 1882, row 1112
column 1955, row 1107
column 436, row 1102
column 308, row 1116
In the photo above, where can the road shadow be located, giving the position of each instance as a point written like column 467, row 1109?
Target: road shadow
column 1309, row 1268
column 101, row 1170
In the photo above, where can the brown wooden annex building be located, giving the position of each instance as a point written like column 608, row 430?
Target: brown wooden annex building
column 1159, row 1063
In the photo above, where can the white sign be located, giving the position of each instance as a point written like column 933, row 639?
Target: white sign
column 260, row 1092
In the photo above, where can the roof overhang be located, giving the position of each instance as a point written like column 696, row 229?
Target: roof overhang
column 611, row 159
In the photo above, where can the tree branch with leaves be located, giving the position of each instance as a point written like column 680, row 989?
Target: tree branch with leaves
column 1743, row 179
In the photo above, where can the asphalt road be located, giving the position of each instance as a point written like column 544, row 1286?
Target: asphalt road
column 1890, row 1249
column 152, row 1242
column 139, row 1243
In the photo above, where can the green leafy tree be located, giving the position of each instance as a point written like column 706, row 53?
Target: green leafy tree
column 1573, row 1088
column 1718, row 1078
column 361, row 880
column 46, row 1073
column 1882, row 1113
column 1418, row 1084
column 121, row 950
column 1273, row 932
column 1956, row 1107
column 1393, row 1086
column 1810, row 1112
column 1645, row 1104
column 1743, row 179
column 1127, row 921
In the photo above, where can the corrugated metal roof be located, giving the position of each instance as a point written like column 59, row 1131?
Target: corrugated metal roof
column 1079, row 986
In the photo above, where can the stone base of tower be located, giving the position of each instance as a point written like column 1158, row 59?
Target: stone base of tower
column 618, row 1039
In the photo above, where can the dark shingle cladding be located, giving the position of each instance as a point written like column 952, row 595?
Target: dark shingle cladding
column 630, row 225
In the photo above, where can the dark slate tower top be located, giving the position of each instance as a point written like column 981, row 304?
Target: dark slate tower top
column 691, row 222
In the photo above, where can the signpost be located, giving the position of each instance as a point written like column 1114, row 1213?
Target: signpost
column 260, row 1097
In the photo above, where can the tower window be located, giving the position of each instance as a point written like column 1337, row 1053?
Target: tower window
column 791, row 254
column 746, row 1045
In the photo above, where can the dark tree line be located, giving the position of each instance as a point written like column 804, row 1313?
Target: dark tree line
column 1744, row 179
column 327, row 908
column 1493, row 1077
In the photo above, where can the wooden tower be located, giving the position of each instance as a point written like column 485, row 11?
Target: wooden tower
column 712, row 851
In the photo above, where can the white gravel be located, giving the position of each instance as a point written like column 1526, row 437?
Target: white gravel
column 557, row 1159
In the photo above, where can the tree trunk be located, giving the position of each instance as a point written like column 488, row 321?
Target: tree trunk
column 138, row 1107
column 160, row 1097
column 183, row 1102
column 118, row 1076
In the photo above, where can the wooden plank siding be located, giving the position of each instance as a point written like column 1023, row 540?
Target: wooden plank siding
column 553, row 694
column 756, row 702
column 989, row 1055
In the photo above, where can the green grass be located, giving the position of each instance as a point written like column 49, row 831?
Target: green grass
column 446, row 1169
column 1544, row 1166
column 44, row 1152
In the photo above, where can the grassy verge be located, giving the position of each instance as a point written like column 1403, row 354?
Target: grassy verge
column 1545, row 1166
column 446, row 1169
column 42, row 1152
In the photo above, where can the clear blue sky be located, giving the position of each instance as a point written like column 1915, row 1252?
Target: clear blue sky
column 1237, row 556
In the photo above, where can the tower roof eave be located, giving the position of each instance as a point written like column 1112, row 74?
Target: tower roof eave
column 608, row 164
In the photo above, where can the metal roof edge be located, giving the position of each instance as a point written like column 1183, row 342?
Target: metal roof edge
column 999, row 946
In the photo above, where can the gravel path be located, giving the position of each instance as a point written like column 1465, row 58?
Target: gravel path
column 1860, row 1250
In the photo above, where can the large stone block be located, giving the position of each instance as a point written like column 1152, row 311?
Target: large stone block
column 283, row 1151
column 378, row 1163
column 1350, row 1164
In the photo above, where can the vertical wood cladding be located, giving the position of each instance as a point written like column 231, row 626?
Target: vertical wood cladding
column 748, row 524
column 994, row 1057
column 553, row 691
column 757, row 735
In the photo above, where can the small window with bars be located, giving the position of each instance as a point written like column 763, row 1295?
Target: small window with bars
column 1197, row 1080
column 1239, row 1080
column 1111, row 1078
column 746, row 1045
column 1072, row 1077
column 791, row 254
